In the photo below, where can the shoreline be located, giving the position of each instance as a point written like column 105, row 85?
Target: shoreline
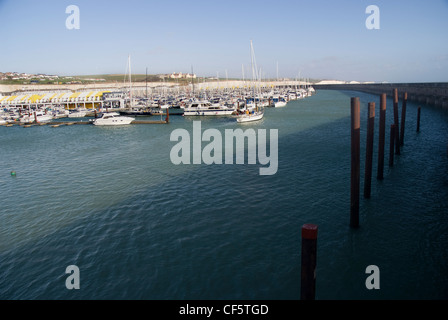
column 6, row 89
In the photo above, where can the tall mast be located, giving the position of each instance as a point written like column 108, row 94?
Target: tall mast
column 277, row 70
column 130, row 81
column 254, row 70
column 192, row 79
column 217, row 77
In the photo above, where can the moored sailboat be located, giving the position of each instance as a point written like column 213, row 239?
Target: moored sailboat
column 258, row 113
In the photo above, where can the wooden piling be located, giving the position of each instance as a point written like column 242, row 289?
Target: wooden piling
column 392, row 141
column 167, row 119
column 369, row 149
column 403, row 117
column 418, row 118
column 396, row 123
column 308, row 262
column 355, row 162
column 382, row 136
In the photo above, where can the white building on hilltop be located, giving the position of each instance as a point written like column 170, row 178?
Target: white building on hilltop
column 181, row 75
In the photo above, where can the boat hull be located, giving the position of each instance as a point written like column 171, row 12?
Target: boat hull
column 208, row 112
column 77, row 114
column 279, row 104
column 113, row 119
column 31, row 119
column 136, row 113
column 115, row 122
column 249, row 117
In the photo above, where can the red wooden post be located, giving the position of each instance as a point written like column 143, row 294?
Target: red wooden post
column 396, row 123
column 403, row 117
column 355, row 162
column 308, row 262
column 392, row 141
column 418, row 118
column 382, row 136
column 369, row 150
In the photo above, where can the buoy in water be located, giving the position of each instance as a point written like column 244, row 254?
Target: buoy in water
column 13, row 173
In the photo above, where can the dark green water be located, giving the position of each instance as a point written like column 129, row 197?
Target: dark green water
column 110, row 201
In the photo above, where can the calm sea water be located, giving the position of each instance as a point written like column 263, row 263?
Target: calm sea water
column 110, row 201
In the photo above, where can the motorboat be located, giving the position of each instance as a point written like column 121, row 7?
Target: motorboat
column 137, row 112
column 36, row 116
column 205, row 108
column 78, row 113
column 112, row 119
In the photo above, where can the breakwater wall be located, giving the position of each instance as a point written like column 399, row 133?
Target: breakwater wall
column 430, row 93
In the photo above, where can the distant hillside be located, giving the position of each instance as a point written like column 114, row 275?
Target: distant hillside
column 120, row 77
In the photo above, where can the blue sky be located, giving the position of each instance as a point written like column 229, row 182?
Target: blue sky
column 318, row 39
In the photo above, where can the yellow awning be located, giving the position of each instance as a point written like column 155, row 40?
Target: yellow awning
column 99, row 93
column 35, row 97
column 74, row 95
column 49, row 99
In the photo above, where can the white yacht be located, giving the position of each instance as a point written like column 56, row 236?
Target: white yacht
column 112, row 119
column 205, row 108
column 60, row 113
column 279, row 101
column 36, row 116
column 78, row 113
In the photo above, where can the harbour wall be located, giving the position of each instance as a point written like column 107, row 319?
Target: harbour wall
column 431, row 93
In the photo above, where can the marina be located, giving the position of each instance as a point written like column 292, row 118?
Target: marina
column 28, row 108
column 144, row 237
column 205, row 174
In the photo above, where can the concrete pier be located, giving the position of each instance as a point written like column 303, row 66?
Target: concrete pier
column 431, row 93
